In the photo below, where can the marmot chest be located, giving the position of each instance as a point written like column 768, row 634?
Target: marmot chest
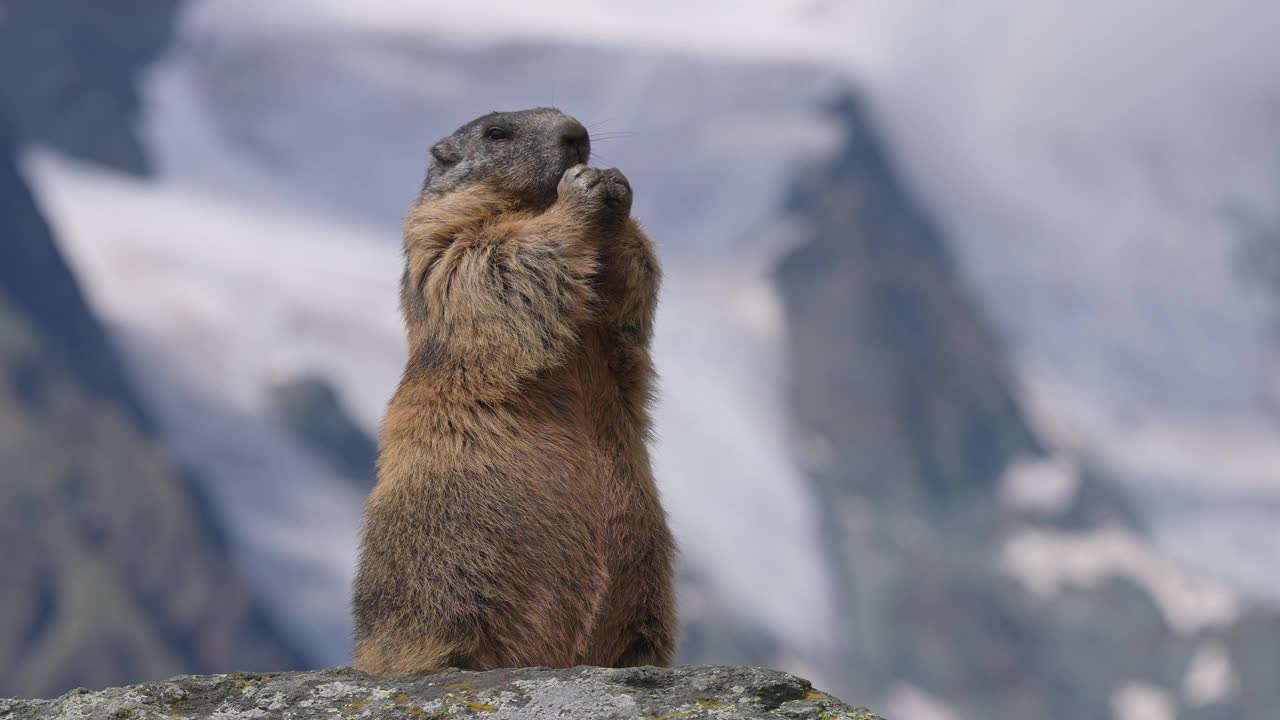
column 589, row 397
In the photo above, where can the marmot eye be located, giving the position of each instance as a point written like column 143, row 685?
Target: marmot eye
column 496, row 133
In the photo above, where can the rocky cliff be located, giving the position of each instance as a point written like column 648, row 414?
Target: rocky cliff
column 584, row 693
column 909, row 422
column 113, row 570
column 36, row 281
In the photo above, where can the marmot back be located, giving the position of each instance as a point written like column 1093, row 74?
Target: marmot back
column 515, row 521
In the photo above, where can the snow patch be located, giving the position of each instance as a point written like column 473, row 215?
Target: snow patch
column 246, row 296
column 911, row 703
column 1140, row 701
column 1210, row 677
column 1045, row 485
column 1046, row 561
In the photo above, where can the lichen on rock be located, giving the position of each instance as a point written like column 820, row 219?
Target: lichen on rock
column 527, row 693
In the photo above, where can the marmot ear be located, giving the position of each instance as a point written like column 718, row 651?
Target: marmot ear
column 444, row 153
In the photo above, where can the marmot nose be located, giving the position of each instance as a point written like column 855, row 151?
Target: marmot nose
column 574, row 135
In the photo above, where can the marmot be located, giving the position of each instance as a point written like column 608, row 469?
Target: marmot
column 515, row 520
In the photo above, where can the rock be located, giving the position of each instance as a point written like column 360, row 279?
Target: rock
column 580, row 693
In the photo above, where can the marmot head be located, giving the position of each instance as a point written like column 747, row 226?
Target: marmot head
column 522, row 154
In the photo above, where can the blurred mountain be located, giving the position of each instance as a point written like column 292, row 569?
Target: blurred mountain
column 928, row 475
column 38, row 283
column 114, row 571
column 1260, row 261
column 311, row 411
column 68, row 72
column 890, row 357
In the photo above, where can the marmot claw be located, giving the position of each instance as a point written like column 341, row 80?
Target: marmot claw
column 605, row 188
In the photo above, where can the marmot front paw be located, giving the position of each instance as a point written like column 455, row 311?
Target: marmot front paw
column 604, row 190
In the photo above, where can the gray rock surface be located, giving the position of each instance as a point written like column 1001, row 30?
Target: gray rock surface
column 584, row 692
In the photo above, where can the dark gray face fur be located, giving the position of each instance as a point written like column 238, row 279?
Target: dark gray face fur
column 524, row 153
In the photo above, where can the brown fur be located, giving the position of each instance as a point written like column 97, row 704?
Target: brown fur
column 515, row 521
